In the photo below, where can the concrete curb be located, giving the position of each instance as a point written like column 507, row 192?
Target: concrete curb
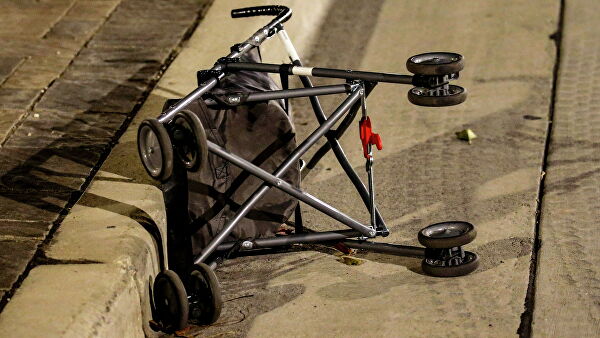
column 102, row 259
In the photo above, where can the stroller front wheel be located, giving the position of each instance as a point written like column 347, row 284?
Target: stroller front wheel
column 155, row 149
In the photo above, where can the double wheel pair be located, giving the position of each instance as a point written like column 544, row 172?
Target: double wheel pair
column 176, row 303
column 444, row 255
column 432, row 72
column 183, row 139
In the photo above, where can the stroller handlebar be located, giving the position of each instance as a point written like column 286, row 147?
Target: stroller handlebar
column 283, row 13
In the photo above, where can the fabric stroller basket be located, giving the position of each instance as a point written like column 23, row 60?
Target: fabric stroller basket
column 260, row 132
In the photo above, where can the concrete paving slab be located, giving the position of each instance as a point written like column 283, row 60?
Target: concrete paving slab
column 91, row 94
column 18, row 98
column 43, row 206
column 44, row 127
column 31, row 18
column 92, row 10
column 8, row 64
column 14, row 257
column 36, row 72
column 8, row 120
column 52, row 169
column 567, row 292
column 10, row 230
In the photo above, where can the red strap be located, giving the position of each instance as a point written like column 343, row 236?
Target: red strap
column 368, row 137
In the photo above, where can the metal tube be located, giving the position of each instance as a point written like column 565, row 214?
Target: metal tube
column 241, row 98
column 321, row 72
column 290, row 189
column 387, row 248
column 364, row 76
column 294, row 156
column 314, row 237
column 300, row 92
column 289, row 46
column 168, row 114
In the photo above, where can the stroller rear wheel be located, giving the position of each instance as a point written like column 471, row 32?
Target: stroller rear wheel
column 170, row 300
column 448, row 95
column 155, row 149
column 437, row 63
column 445, row 235
column 190, row 140
column 457, row 265
column 205, row 295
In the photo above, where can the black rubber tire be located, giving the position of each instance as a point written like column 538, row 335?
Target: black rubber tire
column 206, row 291
column 153, row 136
column 435, row 63
column 452, row 271
column 418, row 96
column 170, row 300
column 446, row 235
column 193, row 152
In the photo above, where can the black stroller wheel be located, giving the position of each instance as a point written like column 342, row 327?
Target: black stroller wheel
column 451, row 268
column 446, row 235
column 448, row 95
column 155, row 149
column 437, row 63
column 190, row 140
column 205, row 295
column 170, row 300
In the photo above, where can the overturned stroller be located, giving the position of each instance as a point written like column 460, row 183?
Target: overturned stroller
column 230, row 169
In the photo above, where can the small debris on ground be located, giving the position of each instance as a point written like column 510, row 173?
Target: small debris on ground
column 344, row 249
column 351, row 260
column 466, row 135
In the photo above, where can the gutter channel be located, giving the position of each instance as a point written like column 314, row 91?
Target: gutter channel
column 525, row 328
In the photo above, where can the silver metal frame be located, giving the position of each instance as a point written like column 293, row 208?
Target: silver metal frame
column 357, row 90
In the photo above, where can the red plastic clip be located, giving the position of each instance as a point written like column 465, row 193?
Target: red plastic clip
column 368, row 137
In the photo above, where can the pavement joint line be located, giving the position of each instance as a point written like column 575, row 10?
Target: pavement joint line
column 39, row 97
column 76, row 195
column 525, row 328
column 13, row 70
column 60, row 18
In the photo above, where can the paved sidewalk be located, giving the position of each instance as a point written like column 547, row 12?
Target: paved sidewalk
column 72, row 72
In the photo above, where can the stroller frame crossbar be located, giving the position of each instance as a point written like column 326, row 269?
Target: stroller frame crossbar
column 274, row 180
column 442, row 255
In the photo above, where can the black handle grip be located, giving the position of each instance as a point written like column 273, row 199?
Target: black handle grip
column 258, row 10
